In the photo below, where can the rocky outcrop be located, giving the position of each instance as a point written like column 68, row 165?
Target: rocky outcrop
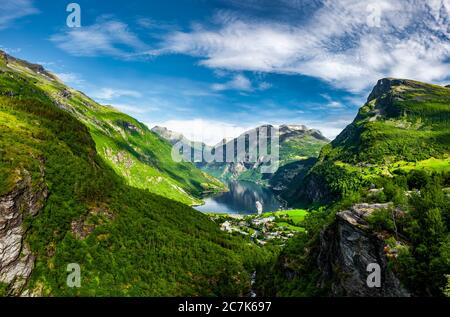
column 128, row 126
column 177, row 138
column 84, row 226
column 289, row 132
column 121, row 159
column 387, row 85
column 39, row 69
column 347, row 247
column 235, row 169
column 16, row 260
column 65, row 93
column 166, row 134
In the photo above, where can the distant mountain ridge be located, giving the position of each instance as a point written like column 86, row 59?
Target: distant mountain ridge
column 290, row 131
column 297, row 143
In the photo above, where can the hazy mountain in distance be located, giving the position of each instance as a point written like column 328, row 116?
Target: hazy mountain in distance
column 297, row 143
column 84, row 183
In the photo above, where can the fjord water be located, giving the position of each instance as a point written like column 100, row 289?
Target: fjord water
column 241, row 199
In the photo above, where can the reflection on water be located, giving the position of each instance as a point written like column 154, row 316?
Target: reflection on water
column 241, row 198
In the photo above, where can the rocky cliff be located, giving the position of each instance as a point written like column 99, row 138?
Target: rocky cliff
column 16, row 260
column 347, row 247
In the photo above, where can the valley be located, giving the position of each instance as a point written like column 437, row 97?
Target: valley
column 65, row 199
column 85, row 183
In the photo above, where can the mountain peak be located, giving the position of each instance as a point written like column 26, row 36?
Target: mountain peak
column 39, row 69
column 384, row 85
column 159, row 128
column 292, row 127
column 171, row 136
column 289, row 131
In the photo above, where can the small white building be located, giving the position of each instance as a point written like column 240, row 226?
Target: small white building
column 259, row 221
column 226, row 226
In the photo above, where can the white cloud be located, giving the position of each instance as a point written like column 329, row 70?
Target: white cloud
column 134, row 109
column 242, row 83
column 330, row 127
column 333, row 104
column 338, row 44
column 210, row 132
column 11, row 10
column 264, row 85
column 238, row 82
column 152, row 24
column 71, row 78
column 112, row 93
column 11, row 51
column 106, row 37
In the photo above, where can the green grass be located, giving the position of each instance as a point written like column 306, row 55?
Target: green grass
column 148, row 165
column 412, row 126
column 299, row 149
column 431, row 164
column 369, row 173
column 150, row 246
column 296, row 215
column 290, row 227
column 404, row 128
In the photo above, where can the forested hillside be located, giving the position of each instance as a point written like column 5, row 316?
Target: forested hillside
column 62, row 202
column 128, row 146
column 383, row 190
column 403, row 126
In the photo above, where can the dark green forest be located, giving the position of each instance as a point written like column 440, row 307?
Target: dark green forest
column 139, row 243
column 113, row 203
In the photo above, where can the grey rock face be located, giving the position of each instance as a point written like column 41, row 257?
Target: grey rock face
column 39, row 69
column 175, row 137
column 346, row 250
column 128, row 126
column 65, row 94
column 288, row 132
column 171, row 136
column 383, row 86
column 16, row 260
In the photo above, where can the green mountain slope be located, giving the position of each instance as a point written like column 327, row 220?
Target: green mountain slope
column 297, row 144
column 404, row 125
column 128, row 146
column 382, row 196
column 62, row 202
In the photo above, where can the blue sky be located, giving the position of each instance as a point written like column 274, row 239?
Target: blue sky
column 213, row 68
